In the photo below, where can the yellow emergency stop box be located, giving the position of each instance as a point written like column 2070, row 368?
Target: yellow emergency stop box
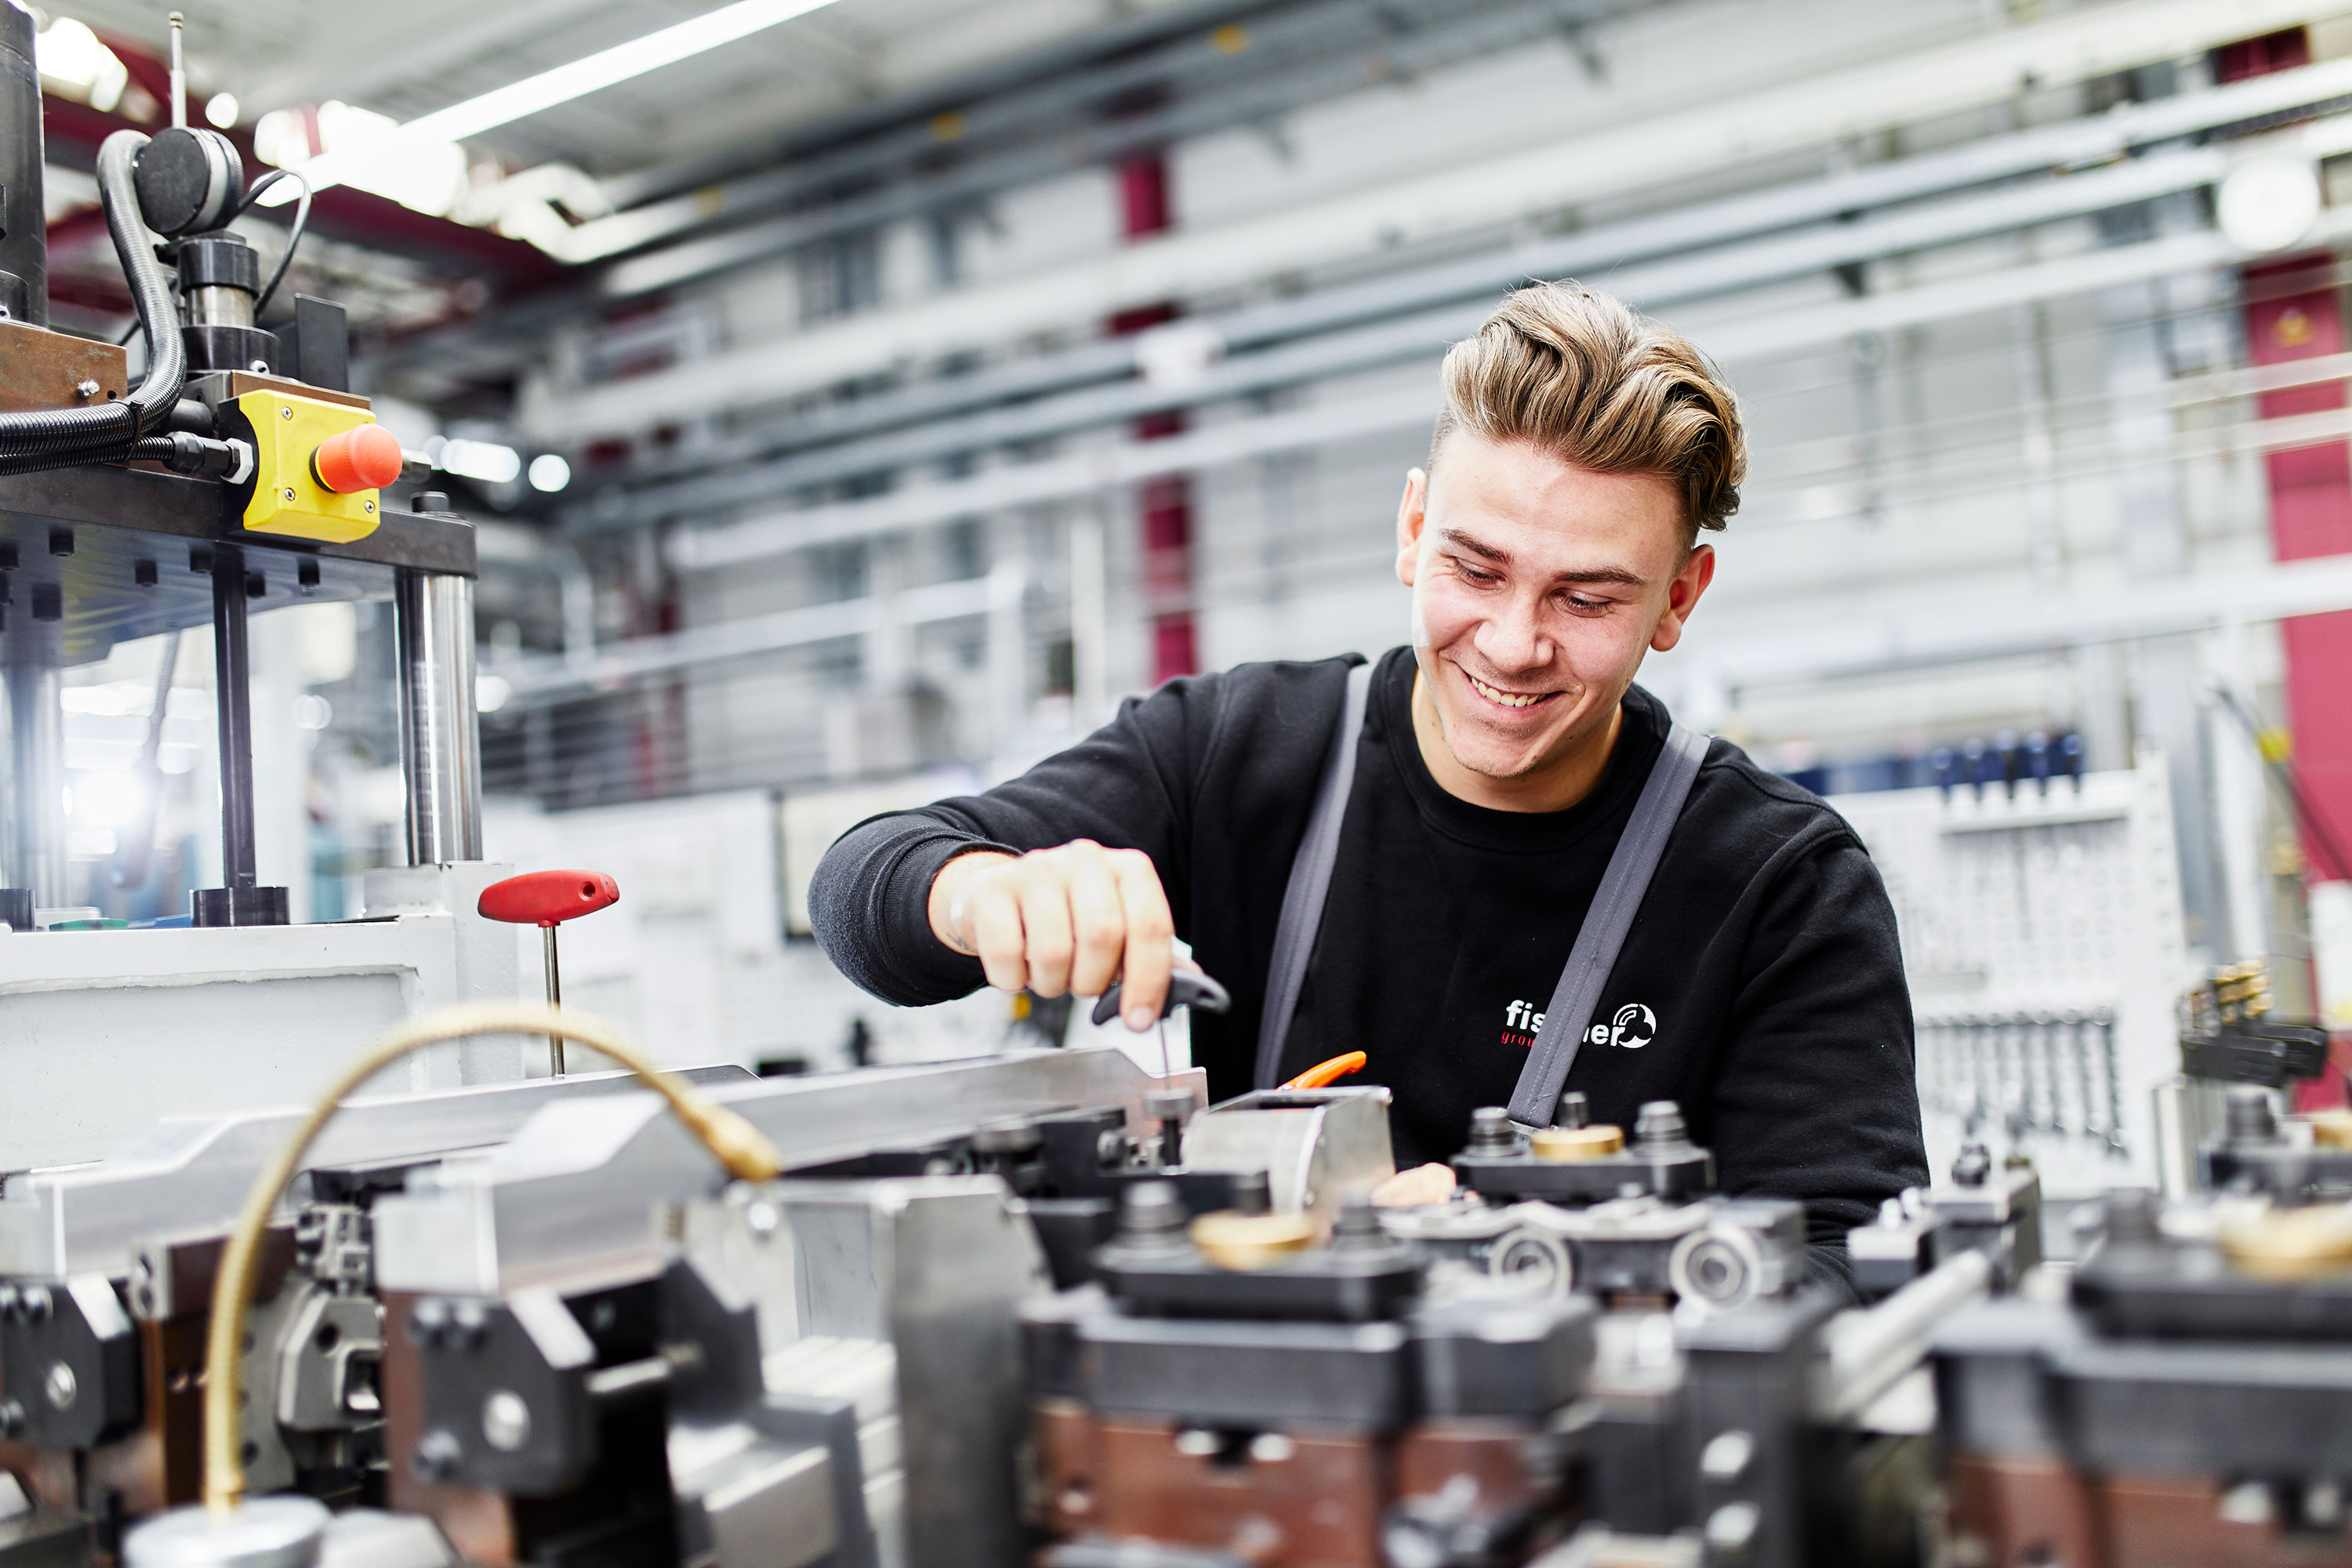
column 287, row 496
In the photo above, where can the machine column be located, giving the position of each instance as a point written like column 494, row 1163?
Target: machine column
column 440, row 730
column 36, row 849
column 242, row 901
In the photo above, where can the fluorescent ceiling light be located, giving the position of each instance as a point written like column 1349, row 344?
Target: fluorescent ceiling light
column 606, row 67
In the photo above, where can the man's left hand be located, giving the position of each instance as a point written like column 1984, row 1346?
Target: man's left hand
column 1431, row 1183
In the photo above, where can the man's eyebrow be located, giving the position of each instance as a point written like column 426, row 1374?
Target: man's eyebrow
column 1461, row 540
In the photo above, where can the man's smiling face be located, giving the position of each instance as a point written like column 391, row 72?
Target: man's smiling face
column 1537, row 585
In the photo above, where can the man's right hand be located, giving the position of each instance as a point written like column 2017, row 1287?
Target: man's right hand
column 1073, row 918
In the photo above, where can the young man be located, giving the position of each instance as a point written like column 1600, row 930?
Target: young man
column 1552, row 541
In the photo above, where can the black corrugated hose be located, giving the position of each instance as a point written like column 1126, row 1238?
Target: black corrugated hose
column 60, row 437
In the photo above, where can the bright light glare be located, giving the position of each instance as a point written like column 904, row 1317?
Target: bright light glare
column 312, row 712
column 106, row 799
column 2269, row 203
column 490, row 692
column 221, row 110
column 485, row 460
column 517, row 100
column 72, row 57
column 368, row 151
column 550, row 473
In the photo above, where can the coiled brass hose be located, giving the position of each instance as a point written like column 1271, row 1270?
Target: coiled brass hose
column 738, row 1145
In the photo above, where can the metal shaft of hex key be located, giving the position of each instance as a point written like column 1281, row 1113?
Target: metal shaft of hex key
column 1186, row 988
column 546, row 899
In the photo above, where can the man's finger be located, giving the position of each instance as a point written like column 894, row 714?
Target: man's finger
column 993, row 918
column 1150, row 930
column 1098, row 921
column 1411, row 1189
column 1045, row 927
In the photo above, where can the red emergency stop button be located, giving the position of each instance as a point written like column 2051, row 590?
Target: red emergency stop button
column 364, row 458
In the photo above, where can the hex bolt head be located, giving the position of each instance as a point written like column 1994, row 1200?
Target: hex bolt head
column 1731, row 1531
column 10, row 1303
column 438, row 1454
column 1169, row 1104
column 506, row 1420
column 428, row 1325
column 12, row 1420
column 1659, row 1124
column 61, row 1387
column 468, row 1325
column 33, row 1302
column 1491, row 1132
column 1153, row 1211
column 1727, row 1456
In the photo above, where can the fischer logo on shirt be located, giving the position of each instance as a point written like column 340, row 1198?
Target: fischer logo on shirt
column 1634, row 1026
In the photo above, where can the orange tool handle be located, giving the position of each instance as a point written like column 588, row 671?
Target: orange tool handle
column 1324, row 1074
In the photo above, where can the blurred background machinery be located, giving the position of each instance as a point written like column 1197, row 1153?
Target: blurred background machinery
column 855, row 399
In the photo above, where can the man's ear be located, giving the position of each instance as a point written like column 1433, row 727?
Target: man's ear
column 1412, row 511
column 1683, row 595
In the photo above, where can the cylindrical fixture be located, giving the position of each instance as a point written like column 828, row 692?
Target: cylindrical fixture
column 218, row 305
column 440, row 730
column 220, row 275
column 36, row 798
column 24, row 238
column 233, row 703
column 260, row 1532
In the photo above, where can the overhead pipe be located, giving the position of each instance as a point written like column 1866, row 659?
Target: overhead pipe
column 1298, row 57
column 2075, row 144
column 1785, row 118
column 1731, row 340
column 1410, row 337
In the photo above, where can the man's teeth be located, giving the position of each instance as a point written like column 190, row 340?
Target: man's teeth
column 1507, row 698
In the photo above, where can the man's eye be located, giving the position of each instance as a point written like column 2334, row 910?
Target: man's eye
column 1484, row 579
column 1585, row 606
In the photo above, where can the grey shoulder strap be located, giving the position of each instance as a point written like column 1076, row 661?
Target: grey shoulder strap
column 1310, row 883
column 1536, row 1099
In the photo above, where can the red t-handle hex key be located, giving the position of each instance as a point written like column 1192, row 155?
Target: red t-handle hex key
column 546, row 899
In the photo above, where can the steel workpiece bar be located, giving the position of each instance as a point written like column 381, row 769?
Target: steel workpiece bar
column 572, row 1195
column 1867, row 1350
column 186, row 1176
column 2075, row 144
column 440, row 726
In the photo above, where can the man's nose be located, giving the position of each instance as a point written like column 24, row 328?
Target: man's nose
column 1512, row 638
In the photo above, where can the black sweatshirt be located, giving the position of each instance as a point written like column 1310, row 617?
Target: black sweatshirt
column 1760, row 988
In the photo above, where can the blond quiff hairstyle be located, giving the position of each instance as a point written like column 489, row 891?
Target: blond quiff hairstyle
column 1584, row 378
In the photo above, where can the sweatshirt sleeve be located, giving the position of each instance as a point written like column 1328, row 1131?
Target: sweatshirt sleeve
column 1818, row 1096
column 1127, row 785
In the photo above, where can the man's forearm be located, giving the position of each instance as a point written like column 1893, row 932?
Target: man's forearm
column 869, row 904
